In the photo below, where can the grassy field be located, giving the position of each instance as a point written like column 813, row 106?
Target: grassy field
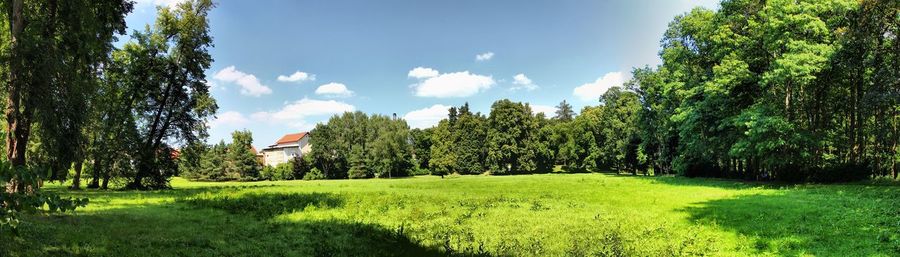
column 552, row 214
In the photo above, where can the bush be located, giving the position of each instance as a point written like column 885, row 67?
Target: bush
column 302, row 166
column 418, row 171
column 314, row 174
column 283, row 171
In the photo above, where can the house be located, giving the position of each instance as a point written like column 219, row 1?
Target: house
column 286, row 148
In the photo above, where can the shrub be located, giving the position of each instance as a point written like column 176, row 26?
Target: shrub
column 418, row 171
column 302, row 166
column 314, row 174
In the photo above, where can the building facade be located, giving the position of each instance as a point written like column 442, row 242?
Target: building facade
column 286, row 149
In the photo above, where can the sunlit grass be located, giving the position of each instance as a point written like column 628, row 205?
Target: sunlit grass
column 551, row 214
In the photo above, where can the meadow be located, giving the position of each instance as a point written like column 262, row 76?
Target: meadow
column 527, row 215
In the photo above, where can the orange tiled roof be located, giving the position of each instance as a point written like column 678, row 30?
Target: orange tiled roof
column 291, row 138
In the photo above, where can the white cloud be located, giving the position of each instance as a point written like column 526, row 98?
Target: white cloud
column 593, row 91
column 294, row 114
column 250, row 85
column 229, row 118
column 456, row 84
column 549, row 111
column 334, row 89
column 485, row 56
column 427, row 117
column 422, row 73
column 298, row 77
column 520, row 81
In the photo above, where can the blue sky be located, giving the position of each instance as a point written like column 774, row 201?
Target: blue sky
column 283, row 66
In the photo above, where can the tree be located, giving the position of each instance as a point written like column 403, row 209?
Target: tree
column 443, row 158
column 357, row 145
column 422, row 142
column 302, row 166
column 213, row 163
column 174, row 98
column 469, row 135
column 787, row 90
column 389, row 150
column 358, row 162
column 564, row 112
column 190, row 160
column 51, row 53
column 240, row 161
column 510, row 126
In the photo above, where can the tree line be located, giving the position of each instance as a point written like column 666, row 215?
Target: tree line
column 784, row 90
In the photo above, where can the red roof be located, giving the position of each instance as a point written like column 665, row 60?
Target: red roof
column 253, row 149
column 291, row 138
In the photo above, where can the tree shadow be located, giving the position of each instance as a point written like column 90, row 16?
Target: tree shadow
column 213, row 222
column 819, row 222
column 264, row 205
column 706, row 182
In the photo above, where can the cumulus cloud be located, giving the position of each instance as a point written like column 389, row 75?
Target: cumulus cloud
column 520, row 81
column 549, row 111
column 593, row 91
column 295, row 113
column 334, row 89
column 298, row 77
column 426, row 117
column 456, row 84
column 422, row 73
column 484, row 57
column 249, row 84
column 229, row 118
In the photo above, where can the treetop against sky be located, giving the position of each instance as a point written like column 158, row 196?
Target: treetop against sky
column 283, row 66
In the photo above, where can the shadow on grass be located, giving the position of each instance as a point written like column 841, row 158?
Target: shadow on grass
column 265, row 205
column 705, row 182
column 211, row 222
column 820, row 222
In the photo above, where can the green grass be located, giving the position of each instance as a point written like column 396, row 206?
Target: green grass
column 551, row 214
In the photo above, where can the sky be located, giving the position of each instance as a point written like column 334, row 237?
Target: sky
column 283, row 66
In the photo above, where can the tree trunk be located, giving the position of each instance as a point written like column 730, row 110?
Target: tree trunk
column 16, row 124
column 76, row 180
column 105, row 184
column 95, row 175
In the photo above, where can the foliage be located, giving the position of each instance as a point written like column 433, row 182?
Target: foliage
column 302, row 166
column 443, row 158
column 212, row 164
column 241, row 162
column 783, row 90
column 357, row 145
column 421, row 141
column 282, row 171
column 510, row 126
column 28, row 198
column 190, row 159
column 166, row 65
column 314, row 174
column 564, row 112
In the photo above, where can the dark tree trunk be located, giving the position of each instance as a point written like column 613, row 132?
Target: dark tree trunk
column 95, row 175
column 76, row 180
column 16, row 123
